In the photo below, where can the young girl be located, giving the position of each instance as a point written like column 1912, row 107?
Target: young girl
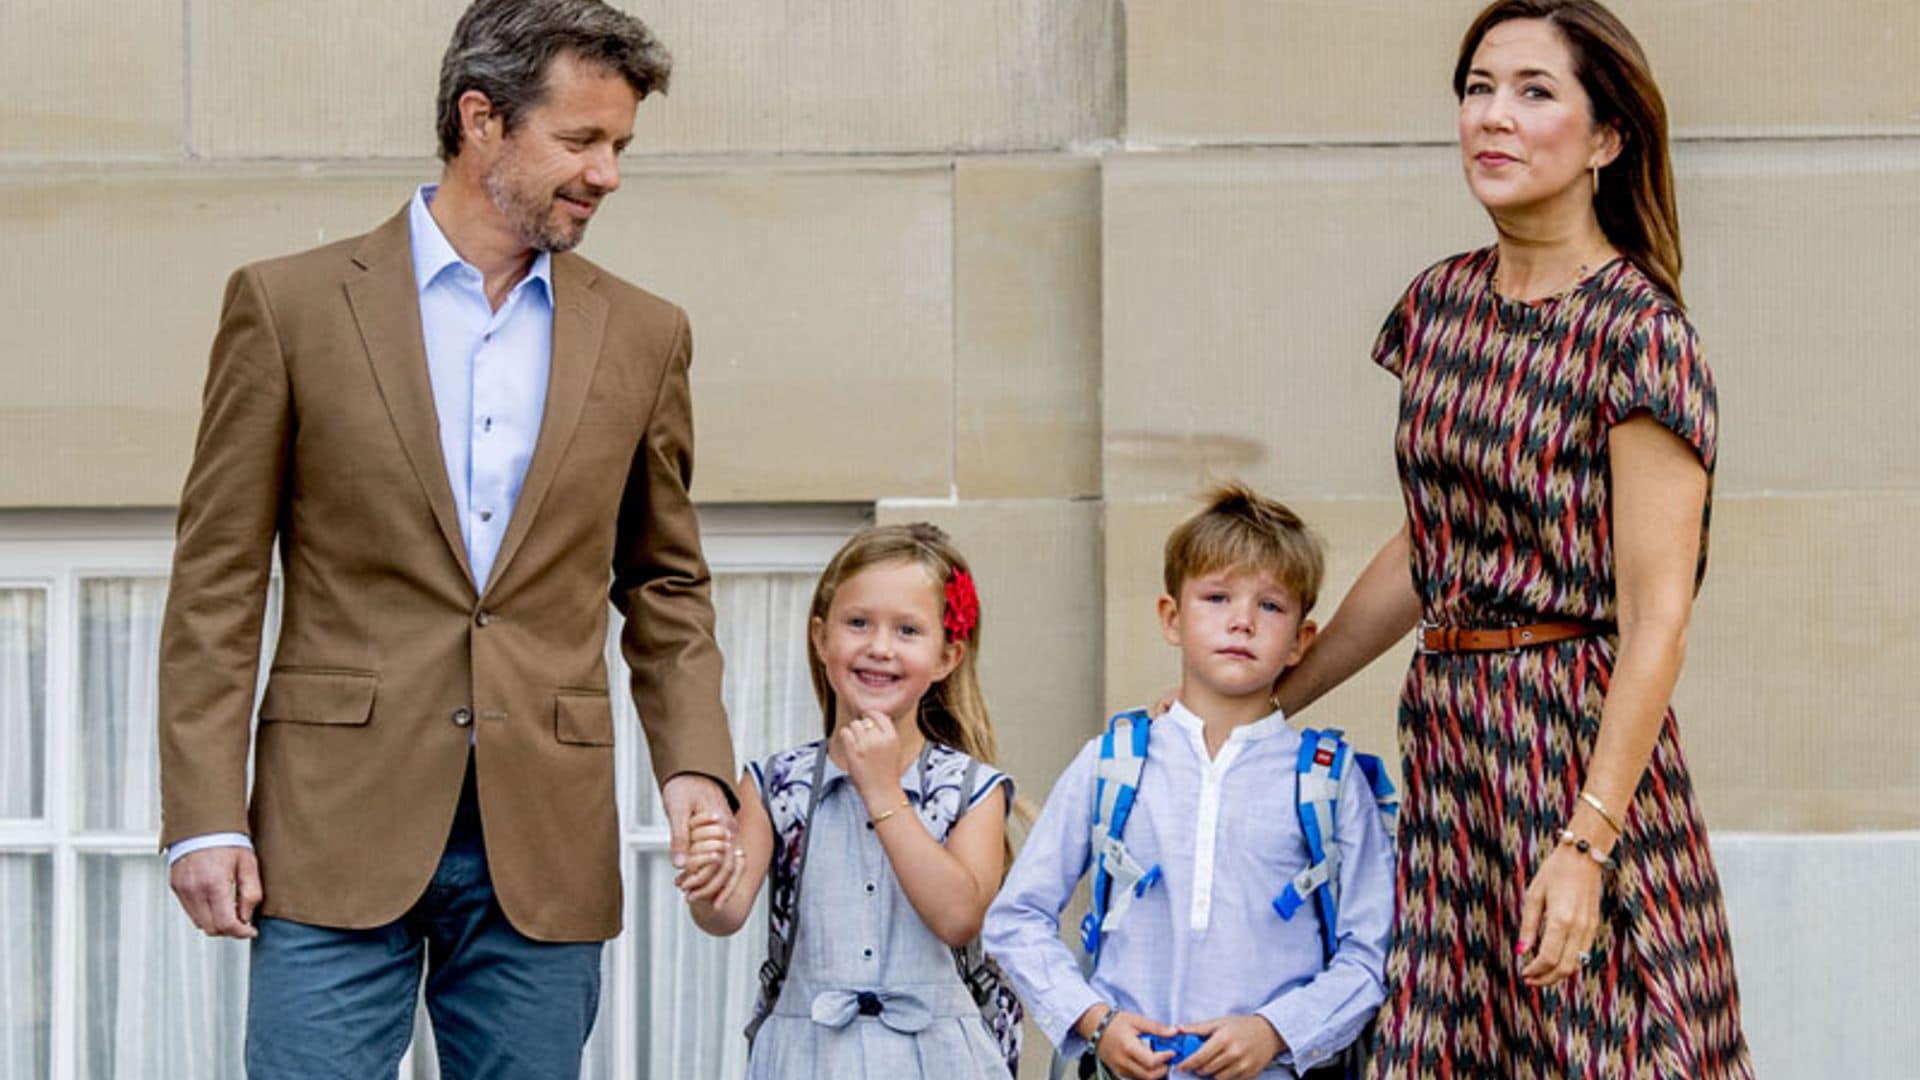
column 881, row 814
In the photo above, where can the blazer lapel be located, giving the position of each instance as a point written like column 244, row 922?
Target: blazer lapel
column 579, row 323
column 386, row 305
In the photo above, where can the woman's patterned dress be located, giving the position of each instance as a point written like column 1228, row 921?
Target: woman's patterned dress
column 1505, row 409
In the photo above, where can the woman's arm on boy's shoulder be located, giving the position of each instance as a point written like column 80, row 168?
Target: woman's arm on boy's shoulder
column 1320, row 1018
column 1376, row 612
column 1022, row 930
column 722, row 906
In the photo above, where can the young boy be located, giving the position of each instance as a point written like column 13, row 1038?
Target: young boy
column 1202, row 950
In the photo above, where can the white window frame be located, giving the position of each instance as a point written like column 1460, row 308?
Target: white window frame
column 57, row 550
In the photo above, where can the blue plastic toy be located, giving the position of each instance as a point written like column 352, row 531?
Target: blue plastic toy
column 1183, row 1045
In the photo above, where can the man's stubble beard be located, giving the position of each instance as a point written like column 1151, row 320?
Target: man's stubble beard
column 529, row 214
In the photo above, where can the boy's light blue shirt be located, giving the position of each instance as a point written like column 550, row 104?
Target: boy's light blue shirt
column 1205, row 942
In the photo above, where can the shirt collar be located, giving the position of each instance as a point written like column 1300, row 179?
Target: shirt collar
column 831, row 773
column 1271, row 724
column 433, row 253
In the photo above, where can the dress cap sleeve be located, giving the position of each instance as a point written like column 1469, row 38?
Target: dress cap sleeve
column 1389, row 348
column 1659, row 372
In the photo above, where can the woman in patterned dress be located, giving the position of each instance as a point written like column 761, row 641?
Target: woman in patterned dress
column 1559, row 913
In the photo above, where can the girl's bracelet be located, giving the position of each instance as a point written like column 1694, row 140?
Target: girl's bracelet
column 904, row 803
column 1585, row 847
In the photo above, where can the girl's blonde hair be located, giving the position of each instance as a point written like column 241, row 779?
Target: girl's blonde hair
column 953, row 713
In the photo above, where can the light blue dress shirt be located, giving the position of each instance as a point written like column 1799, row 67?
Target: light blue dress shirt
column 1205, row 942
column 489, row 373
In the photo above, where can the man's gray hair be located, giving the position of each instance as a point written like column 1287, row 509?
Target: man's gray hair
column 502, row 48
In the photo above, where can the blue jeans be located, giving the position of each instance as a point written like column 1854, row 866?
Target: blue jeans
column 326, row 1003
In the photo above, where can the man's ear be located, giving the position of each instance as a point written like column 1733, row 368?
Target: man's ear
column 1169, row 609
column 479, row 123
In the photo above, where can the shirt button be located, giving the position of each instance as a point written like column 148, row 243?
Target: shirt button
column 483, row 617
column 486, row 515
column 869, row 886
column 462, row 716
column 868, row 953
column 486, row 423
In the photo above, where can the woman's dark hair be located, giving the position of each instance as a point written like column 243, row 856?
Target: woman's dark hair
column 1635, row 204
column 502, row 48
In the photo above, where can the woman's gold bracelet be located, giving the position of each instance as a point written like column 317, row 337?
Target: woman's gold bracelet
column 1599, row 807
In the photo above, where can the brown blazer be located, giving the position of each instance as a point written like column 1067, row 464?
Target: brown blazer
column 318, row 429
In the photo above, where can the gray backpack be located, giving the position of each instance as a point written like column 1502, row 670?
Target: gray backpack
column 999, row 1007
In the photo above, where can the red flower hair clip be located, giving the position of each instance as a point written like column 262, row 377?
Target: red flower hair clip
column 963, row 606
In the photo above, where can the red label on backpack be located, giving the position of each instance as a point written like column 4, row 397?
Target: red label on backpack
column 1323, row 756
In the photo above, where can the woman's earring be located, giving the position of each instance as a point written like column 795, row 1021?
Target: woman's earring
column 1596, row 181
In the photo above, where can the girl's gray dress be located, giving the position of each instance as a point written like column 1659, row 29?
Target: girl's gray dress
column 870, row 992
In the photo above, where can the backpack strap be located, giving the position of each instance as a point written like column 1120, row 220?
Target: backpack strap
column 1117, row 877
column 968, row 959
column 1317, row 773
column 773, row 972
column 1385, row 798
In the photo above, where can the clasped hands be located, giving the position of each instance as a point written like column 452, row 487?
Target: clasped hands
column 1236, row 1047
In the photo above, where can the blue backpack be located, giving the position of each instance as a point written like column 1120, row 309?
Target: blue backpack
column 1119, row 879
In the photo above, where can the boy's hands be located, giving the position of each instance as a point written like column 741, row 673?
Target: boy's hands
column 1237, row 1047
column 1122, row 1047
column 714, row 864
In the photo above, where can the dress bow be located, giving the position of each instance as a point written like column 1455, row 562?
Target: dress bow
column 901, row 1011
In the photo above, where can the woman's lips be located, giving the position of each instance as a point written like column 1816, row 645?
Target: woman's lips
column 1493, row 160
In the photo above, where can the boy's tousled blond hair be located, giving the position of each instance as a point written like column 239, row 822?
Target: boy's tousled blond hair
column 1239, row 528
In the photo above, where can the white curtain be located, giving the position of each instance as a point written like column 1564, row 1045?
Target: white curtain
column 156, row 997
column 695, row 991
column 25, row 904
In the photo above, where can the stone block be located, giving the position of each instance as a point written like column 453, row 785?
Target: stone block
column 1260, row 71
column 836, row 76
column 1027, row 327
column 88, row 79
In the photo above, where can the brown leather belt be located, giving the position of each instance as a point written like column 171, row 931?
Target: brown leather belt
column 1435, row 638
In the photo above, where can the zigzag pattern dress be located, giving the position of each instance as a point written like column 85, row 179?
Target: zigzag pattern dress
column 1505, row 409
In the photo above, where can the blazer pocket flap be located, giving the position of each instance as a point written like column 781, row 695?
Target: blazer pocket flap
column 318, row 697
column 583, row 719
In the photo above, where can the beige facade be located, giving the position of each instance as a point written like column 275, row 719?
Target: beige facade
column 1037, row 270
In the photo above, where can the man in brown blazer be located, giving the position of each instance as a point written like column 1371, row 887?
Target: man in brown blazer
column 459, row 435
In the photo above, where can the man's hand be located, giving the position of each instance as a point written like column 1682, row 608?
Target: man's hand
column 219, row 888
column 1237, row 1047
column 688, row 796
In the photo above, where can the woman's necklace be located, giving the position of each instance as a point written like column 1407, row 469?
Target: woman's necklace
column 1530, row 309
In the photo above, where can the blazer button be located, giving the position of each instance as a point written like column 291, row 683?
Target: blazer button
column 462, row 716
column 483, row 617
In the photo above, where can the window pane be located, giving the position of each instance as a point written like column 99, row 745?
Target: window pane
column 23, row 703
column 119, row 655
column 26, row 958
column 694, row 992
column 760, row 620
column 157, row 998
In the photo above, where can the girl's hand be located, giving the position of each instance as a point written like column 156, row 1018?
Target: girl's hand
column 1237, row 1047
column 1561, row 910
column 870, row 744
column 714, row 863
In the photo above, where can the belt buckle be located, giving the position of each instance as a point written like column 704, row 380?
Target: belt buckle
column 1420, row 642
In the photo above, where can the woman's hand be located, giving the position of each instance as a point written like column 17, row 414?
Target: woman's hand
column 1561, row 910
column 870, row 745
